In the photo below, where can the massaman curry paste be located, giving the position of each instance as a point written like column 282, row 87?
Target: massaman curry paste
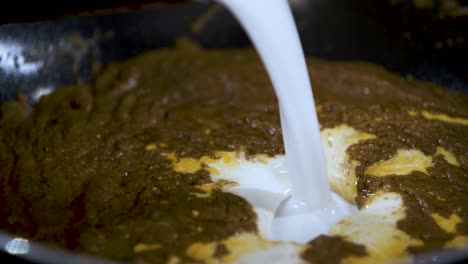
column 90, row 168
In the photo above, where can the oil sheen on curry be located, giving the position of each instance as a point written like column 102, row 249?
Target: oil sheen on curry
column 133, row 166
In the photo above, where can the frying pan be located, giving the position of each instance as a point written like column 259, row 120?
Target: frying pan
column 429, row 43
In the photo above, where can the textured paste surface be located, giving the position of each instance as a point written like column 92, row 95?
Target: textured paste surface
column 155, row 161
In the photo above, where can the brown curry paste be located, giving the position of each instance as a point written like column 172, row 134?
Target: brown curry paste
column 75, row 171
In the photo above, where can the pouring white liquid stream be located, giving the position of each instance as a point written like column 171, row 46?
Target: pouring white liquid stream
column 311, row 210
